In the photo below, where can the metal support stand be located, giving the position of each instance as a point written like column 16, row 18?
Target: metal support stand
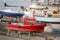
column 29, row 35
column 8, row 32
column 20, row 34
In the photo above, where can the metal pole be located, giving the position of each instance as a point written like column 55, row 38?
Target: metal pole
column 18, row 18
column 48, row 2
column 29, row 36
column 58, row 6
column 4, row 4
column 8, row 32
column 54, row 1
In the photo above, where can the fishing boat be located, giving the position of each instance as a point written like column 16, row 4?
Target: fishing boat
column 28, row 23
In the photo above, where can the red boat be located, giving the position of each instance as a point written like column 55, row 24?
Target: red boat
column 27, row 25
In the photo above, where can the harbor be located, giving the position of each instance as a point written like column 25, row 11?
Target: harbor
column 29, row 19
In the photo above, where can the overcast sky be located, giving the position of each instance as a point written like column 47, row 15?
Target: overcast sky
column 18, row 2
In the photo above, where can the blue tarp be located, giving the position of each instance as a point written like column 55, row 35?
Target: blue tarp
column 14, row 14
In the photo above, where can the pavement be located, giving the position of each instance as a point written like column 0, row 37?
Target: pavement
column 25, row 37
column 2, row 37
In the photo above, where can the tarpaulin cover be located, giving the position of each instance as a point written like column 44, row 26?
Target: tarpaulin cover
column 14, row 14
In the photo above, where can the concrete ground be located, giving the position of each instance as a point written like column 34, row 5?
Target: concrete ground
column 3, row 36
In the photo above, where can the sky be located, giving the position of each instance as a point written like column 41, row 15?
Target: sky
column 14, row 2
column 17, row 2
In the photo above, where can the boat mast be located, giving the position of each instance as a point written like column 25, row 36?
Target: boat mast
column 4, row 4
column 48, row 2
column 58, row 6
